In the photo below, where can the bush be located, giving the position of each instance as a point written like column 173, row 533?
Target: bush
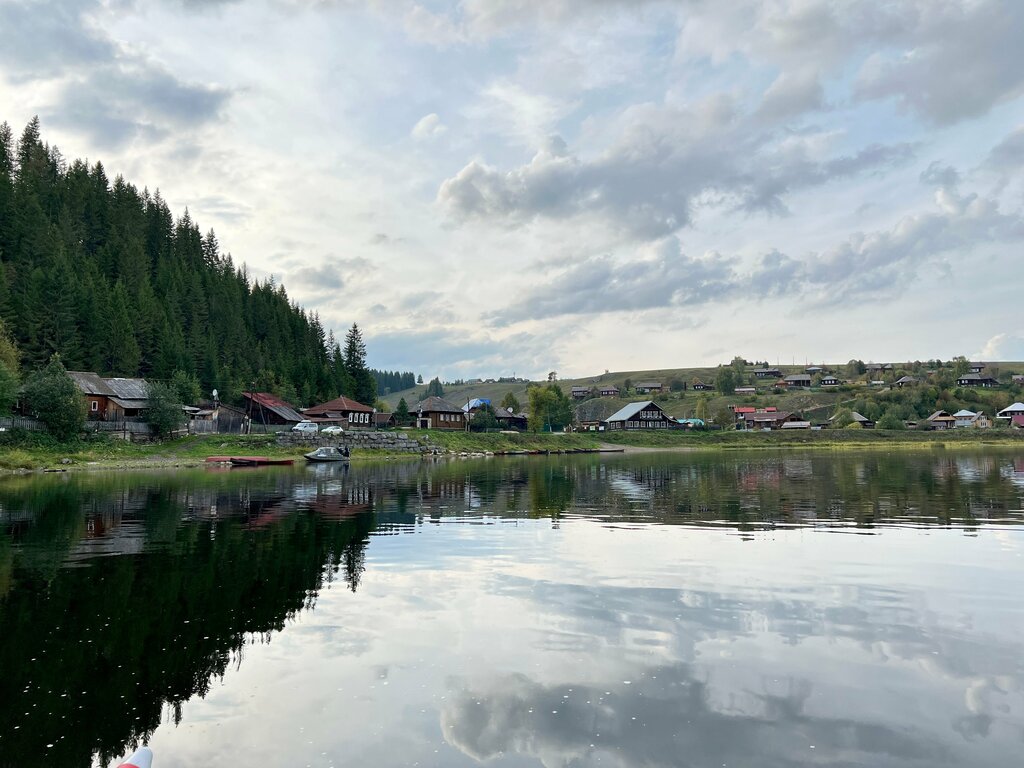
column 53, row 397
column 164, row 413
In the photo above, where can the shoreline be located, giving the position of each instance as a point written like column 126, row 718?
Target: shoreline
column 38, row 455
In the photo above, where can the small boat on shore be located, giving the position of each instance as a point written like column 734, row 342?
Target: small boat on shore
column 257, row 461
column 327, row 453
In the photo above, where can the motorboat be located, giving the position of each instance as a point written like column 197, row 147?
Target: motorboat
column 328, row 453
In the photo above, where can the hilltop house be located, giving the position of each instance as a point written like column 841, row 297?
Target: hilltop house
column 746, row 390
column 906, row 381
column 112, row 399
column 831, row 380
column 700, row 386
column 797, row 380
column 608, row 390
column 344, row 411
column 977, row 367
column 648, row 388
column 642, row 415
column 813, row 369
column 580, row 393
column 856, row 418
column 768, row 373
column 976, row 380
column 879, row 367
column 435, row 413
column 270, row 410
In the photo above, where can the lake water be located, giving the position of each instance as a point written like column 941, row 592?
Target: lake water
column 650, row 610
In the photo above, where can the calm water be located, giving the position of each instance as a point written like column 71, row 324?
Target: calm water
column 660, row 610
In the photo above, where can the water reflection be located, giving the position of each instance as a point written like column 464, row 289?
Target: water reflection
column 565, row 612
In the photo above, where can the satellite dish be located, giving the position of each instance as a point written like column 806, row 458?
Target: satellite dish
column 215, row 394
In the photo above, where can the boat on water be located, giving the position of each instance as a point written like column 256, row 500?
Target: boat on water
column 328, row 453
column 257, row 461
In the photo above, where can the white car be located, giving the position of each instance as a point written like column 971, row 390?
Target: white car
column 334, row 429
column 306, row 427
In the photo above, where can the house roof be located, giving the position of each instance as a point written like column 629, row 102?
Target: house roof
column 1011, row 410
column 382, row 417
column 744, row 409
column 580, row 389
column 647, row 384
column 129, row 389
column 338, row 405
column 798, row 377
column 906, row 380
column 129, row 404
column 607, row 387
column 775, row 416
column 963, row 413
column 274, row 405
column 631, row 410
column 91, row 383
column 434, row 404
column 797, row 425
column 476, row 402
column 975, row 377
column 939, row 415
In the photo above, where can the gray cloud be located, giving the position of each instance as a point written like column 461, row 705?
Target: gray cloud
column 1008, row 155
column 792, row 94
column 865, row 266
column 663, row 161
column 958, row 61
column 42, row 39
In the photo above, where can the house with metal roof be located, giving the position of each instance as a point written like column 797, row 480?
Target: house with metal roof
column 906, row 381
column 648, row 387
column 579, row 393
column 608, row 390
column 111, row 399
column 1017, row 409
column 938, row 420
column 965, row 418
column 798, row 380
column 768, row 373
column 645, row 414
column 343, row 411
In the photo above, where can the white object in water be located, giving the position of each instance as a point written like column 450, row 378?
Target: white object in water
column 140, row 758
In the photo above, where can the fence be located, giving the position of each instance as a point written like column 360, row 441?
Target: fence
column 20, row 422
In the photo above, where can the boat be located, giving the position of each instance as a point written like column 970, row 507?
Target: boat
column 257, row 461
column 327, row 453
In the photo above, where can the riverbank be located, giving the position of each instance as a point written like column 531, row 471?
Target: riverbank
column 34, row 451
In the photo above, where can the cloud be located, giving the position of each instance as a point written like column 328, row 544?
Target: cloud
column 1003, row 346
column 428, row 127
column 662, row 162
column 43, row 39
column 1008, row 155
column 957, row 60
column 791, row 95
column 864, row 266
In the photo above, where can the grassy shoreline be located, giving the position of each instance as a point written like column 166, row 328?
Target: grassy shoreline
column 33, row 452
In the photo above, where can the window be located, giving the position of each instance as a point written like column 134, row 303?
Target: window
column 95, row 405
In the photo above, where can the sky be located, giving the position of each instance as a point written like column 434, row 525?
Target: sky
column 499, row 187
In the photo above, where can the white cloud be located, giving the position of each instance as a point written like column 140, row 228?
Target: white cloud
column 428, row 127
column 1003, row 346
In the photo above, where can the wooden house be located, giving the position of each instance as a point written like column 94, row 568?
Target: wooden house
column 645, row 414
column 112, row 399
column 384, row 420
column 976, row 380
column 906, row 381
column 700, row 386
column 938, row 420
column 269, row 410
column 977, row 367
column 580, row 393
column 831, row 380
column 343, row 411
column 761, row 420
column 435, row 413
column 609, row 390
column 797, row 380
column 648, row 388
column 97, row 393
column 768, row 373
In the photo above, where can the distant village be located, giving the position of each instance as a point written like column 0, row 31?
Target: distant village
column 119, row 405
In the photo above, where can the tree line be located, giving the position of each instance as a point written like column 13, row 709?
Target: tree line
column 102, row 274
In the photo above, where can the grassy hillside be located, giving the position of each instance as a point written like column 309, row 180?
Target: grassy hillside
column 813, row 403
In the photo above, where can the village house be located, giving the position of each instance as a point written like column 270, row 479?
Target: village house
column 976, row 380
column 580, row 393
column 608, row 390
column 642, row 415
column 879, row 367
column 648, row 388
column 746, row 390
column 764, row 420
column 938, row 420
column 797, row 380
column 906, row 381
column 1010, row 411
column 965, row 418
column 856, row 418
column 270, row 410
column 1017, row 378
column 977, row 367
column 112, row 399
column 435, row 413
column 700, row 386
column 768, row 373
column 813, row 369
column 342, row 411
column 509, row 420
column 831, row 380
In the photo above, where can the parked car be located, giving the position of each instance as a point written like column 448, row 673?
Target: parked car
column 306, row 427
column 334, row 429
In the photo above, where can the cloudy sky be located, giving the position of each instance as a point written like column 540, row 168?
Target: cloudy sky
column 499, row 186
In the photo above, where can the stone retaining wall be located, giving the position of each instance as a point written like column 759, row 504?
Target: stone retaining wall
column 393, row 442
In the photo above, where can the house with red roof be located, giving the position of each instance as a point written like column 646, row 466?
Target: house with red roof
column 343, row 411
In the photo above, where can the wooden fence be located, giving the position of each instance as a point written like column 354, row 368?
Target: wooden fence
column 20, row 422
